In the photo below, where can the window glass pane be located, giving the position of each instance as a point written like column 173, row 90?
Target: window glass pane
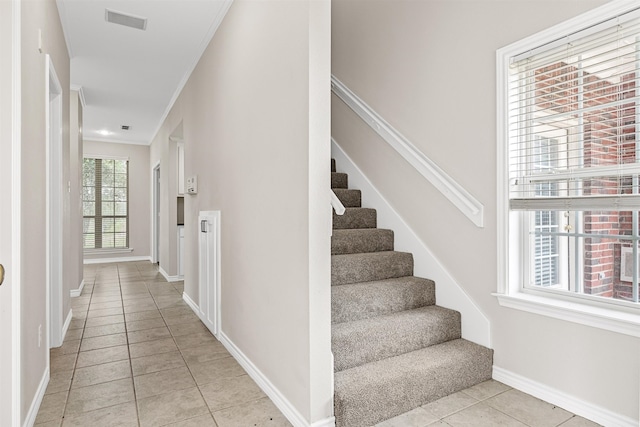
column 88, row 194
column 107, row 194
column 121, row 208
column 89, row 241
column 107, row 208
column 107, row 166
column 107, row 179
column 108, row 240
column 88, row 208
column 120, row 166
column 120, row 225
column 121, row 180
column 120, row 240
column 120, row 194
column 88, row 225
column 107, row 225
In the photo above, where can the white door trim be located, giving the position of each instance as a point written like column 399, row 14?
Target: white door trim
column 155, row 211
column 53, row 114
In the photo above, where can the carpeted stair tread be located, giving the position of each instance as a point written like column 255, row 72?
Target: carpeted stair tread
column 368, row 299
column 368, row 394
column 351, row 241
column 368, row 340
column 365, row 267
column 339, row 180
column 355, row 218
column 350, row 198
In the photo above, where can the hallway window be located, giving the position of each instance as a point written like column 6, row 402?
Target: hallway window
column 105, row 207
column 569, row 145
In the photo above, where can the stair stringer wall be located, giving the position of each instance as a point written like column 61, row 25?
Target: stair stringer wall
column 449, row 294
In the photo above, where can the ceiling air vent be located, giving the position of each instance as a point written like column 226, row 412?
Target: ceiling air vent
column 126, row 20
column 125, row 127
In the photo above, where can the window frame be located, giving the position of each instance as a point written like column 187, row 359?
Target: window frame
column 620, row 317
column 109, row 250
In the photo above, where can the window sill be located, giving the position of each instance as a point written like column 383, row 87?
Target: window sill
column 598, row 317
column 107, row 251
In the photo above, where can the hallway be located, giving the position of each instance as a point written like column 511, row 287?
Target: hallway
column 135, row 354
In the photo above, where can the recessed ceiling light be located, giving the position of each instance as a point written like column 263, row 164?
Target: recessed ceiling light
column 125, row 19
column 104, row 132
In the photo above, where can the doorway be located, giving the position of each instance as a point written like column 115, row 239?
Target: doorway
column 53, row 116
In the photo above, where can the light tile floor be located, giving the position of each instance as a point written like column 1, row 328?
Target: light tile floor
column 136, row 355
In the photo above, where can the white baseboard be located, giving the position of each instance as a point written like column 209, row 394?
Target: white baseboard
column 566, row 401
column 67, row 323
column 281, row 402
column 475, row 325
column 30, row 419
column 186, row 298
column 77, row 292
column 118, row 259
column 170, row 278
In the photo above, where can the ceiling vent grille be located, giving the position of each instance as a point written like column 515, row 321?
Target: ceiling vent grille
column 126, row 20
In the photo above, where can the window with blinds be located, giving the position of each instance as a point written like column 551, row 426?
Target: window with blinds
column 573, row 117
column 105, row 196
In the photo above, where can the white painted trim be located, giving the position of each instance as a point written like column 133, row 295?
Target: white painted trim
column 155, row 203
column 185, row 78
column 54, row 205
column 115, row 141
column 453, row 191
column 475, row 325
column 121, row 259
column 80, row 91
column 187, row 299
column 209, row 286
column 77, row 292
column 170, row 278
column 66, row 325
column 327, row 422
column 91, row 252
column 281, row 402
column 30, row 419
column 580, row 407
column 16, row 214
column 509, row 293
column 104, row 157
column 598, row 317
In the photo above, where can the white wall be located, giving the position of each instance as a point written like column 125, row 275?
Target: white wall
column 428, row 68
column 139, row 195
column 38, row 15
column 255, row 121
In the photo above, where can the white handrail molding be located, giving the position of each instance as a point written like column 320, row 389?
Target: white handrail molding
column 453, row 191
column 337, row 204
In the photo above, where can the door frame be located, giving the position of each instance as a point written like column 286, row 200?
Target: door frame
column 53, row 117
column 10, row 212
column 155, row 214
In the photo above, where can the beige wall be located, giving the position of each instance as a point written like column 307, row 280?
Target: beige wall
column 74, row 273
column 255, row 121
column 43, row 15
column 429, row 69
column 139, row 194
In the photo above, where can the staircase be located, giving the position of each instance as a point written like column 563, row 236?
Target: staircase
column 394, row 349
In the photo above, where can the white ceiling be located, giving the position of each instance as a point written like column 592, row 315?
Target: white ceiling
column 129, row 76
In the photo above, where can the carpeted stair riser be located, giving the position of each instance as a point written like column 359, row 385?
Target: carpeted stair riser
column 355, row 218
column 354, row 268
column 369, row 299
column 339, row 180
column 369, row 340
column 361, row 240
column 349, row 198
column 377, row 391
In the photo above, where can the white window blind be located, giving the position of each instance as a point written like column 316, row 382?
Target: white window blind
column 582, row 93
column 105, row 199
